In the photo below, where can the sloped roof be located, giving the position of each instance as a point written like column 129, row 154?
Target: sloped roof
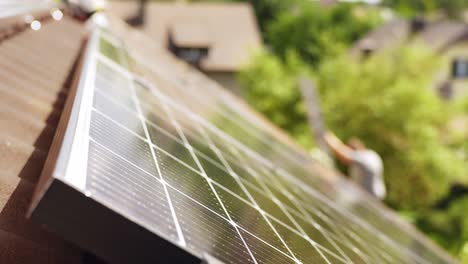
column 191, row 34
column 229, row 28
column 442, row 34
column 389, row 34
column 438, row 35
column 34, row 71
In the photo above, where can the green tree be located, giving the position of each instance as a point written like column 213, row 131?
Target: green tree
column 316, row 32
column 412, row 8
column 266, row 11
column 447, row 226
column 271, row 88
column 386, row 101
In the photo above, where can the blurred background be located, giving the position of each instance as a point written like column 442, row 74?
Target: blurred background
column 393, row 73
column 389, row 73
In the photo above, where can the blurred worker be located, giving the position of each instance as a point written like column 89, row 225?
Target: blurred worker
column 365, row 165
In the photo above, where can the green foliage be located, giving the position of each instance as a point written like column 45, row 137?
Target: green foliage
column 464, row 253
column 272, row 89
column 412, row 8
column 317, row 33
column 267, row 10
column 450, row 223
column 386, row 101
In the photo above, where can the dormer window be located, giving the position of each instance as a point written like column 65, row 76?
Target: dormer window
column 460, row 68
column 189, row 41
column 190, row 55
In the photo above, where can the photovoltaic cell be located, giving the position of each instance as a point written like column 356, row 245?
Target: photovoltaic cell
column 166, row 150
column 126, row 187
column 209, row 232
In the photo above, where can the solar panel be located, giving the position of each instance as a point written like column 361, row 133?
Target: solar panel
column 153, row 162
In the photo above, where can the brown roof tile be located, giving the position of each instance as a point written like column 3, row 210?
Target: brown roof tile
column 442, row 34
column 34, row 71
column 388, row 35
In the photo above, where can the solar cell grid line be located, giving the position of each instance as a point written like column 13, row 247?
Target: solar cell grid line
column 304, row 214
column 151, row 124
column 319, row 235
column 121, row 115
column 195, row 137
column 326, row 225
column 130, row 171
column 208, row 208
column 209, row 223
column 352, row 231
column 383, row 221
column 327, row 219
column 220, row 155
column 140, row 115
column 269, row 193
column 208, row 179
column 277, row 190
column 353, row 239
column 268, row 205
column 366, row 227
column 239, row 122
column 346, row 248
column 297, row 228
column 304, row 248
column 143, row 139
column 314, row 245
column 206, row 124
column 148, row 139
column 129, row 80
column 152, row 127
column 248, row 194
column 343, row 239
column 273, row 198
column 187, row 142
column 190, row 99
column 197, row 202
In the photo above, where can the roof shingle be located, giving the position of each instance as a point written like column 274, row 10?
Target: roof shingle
column 34, row 72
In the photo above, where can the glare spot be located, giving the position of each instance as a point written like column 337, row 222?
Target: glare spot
column 56, row 14
column 35, row 25
column 28, row 19
column 100, row 20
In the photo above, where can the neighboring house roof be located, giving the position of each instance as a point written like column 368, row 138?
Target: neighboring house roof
column 229, row 29
column 438, row 35
column 34, row 71
column 441, row 35
column 389, row 34
column 191, row 34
